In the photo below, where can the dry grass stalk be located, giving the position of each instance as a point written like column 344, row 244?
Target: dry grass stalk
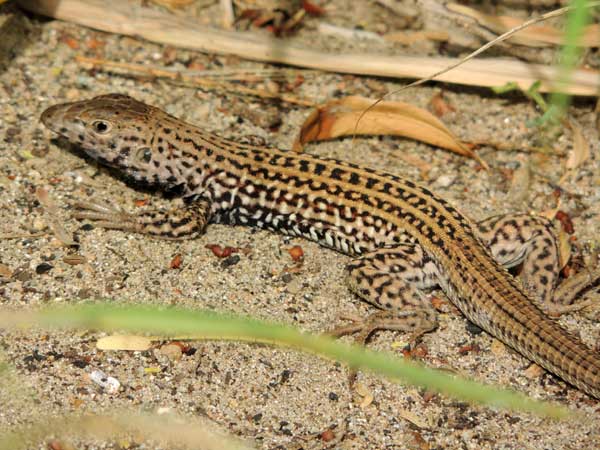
column 129, row 19
column 178, row 77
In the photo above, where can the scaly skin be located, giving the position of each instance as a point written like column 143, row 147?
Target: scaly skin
column 339, row 205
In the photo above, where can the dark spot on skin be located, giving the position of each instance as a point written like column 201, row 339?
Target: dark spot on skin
column 336, row 173
column 371, row 182
column 319, row 168
column 303, row 166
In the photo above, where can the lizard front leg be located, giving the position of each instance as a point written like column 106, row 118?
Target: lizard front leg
column 186, row 222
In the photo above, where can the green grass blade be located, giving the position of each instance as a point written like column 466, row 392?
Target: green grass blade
column 212, row 326
column 577, row 19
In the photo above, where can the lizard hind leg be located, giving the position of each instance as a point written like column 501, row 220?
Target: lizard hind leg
column 530, row 241
column 392, row 278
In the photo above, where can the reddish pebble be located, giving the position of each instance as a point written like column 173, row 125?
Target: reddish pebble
column 185, row 348
column 71, row 42
column 420, row 351
column 222, row 252
column 565, row 221
column 296, row 253
column 468, row 349
column 94, row 44
column 55, row 445
column 428, row 396
column 437, row 303
column 312, row 9
column 176, row 261
column 440, row 106
column 140, row 202
column 327, row 435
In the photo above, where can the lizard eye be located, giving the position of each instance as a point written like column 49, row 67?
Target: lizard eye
column 101, row 126
column 144, row 154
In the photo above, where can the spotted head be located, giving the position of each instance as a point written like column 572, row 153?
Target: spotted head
column 116, row 130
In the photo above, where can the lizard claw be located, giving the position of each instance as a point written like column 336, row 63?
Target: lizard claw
column 105, row 216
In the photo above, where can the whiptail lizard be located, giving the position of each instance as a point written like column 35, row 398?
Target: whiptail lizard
column 408, row 238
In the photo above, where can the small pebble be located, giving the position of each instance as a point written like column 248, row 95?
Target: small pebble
column 171, row 351
column 43, row 268
column 473, row 329
column 295, row 286
column 445, row 180
column 109, row 384
column 287, row 277
column 230, row 261
column 38, row 224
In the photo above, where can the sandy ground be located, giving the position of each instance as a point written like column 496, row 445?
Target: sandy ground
column 266, row 396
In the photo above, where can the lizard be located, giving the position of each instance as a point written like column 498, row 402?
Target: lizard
column 404, row 238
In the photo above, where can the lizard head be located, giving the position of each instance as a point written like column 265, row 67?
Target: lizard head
column 115, row 130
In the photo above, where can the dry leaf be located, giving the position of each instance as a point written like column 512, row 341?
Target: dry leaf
column 366, row 394
column 581, row 148
column 173, row 4
column 532, row 36
column 564, row 249
column 413, row 418
column 339, row 118
column 124, row 342
column 440, row 106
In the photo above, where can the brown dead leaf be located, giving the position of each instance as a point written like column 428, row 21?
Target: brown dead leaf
column 339, row 117
column 440, row 105
column 532, row 36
